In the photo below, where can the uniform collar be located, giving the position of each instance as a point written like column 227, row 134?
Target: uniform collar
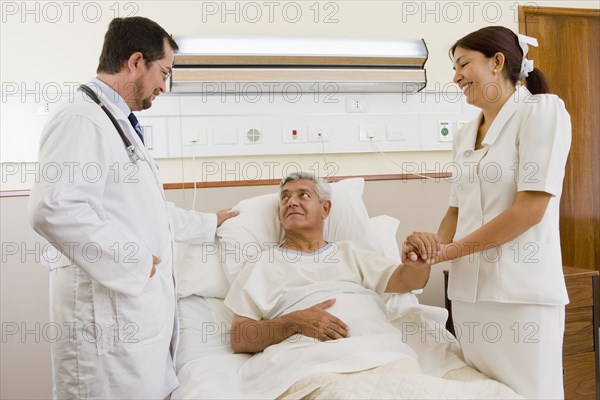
column 506, row 112
column 470, row 134
column 112, row 96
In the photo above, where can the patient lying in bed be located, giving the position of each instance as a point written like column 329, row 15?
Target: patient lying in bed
column 289, row 289
column 310, row 306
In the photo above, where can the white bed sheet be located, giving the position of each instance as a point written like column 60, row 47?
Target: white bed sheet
column 208, row 368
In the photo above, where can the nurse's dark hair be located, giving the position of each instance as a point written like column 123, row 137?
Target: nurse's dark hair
column 126, row 36
column 498, row 39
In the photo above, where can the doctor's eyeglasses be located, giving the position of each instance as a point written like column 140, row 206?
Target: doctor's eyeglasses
column 167, row 72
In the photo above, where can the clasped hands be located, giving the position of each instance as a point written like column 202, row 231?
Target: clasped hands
column 423, row 246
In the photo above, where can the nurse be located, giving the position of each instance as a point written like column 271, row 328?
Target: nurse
column 112, row 291
column 501, row 230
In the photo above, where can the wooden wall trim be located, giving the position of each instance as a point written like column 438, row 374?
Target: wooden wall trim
column 264, row 182
column 536, row 10
column 14, row 193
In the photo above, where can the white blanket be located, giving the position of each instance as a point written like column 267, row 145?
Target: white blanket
column 414, row 333
column 399, row 380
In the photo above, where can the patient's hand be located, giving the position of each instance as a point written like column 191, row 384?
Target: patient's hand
column 424, row 245
column 317, row 323
column 224, row 215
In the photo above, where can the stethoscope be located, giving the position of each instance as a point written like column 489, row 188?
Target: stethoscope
column 133, row 153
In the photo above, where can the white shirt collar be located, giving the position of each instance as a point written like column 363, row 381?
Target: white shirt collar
column 112, row 96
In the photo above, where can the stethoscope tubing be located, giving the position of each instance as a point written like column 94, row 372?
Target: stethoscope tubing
column 131, row 150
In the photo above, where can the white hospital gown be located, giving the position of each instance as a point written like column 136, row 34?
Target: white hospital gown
column 258, row 288
column 283, row 281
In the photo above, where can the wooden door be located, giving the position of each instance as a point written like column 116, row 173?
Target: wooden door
column 569, row 56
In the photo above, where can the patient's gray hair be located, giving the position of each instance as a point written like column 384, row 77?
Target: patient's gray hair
column 321, row 186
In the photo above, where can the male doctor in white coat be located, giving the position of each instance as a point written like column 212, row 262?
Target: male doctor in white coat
column 112, row 290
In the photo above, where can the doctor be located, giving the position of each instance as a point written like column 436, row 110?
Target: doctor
column 502, row 226
column 112, row 289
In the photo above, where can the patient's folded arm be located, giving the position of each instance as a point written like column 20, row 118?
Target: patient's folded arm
column 253, row 336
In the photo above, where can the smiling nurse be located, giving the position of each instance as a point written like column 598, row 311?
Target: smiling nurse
column 501, row 230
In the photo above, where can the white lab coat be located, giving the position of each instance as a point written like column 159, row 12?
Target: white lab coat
column 108, row 217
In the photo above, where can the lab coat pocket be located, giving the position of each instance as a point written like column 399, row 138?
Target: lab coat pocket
column 105, row 321
column 141, row 318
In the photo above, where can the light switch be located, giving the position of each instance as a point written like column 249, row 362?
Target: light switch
column 395, row 133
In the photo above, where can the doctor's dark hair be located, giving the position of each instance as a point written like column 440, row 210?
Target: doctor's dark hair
column 126, row 36
column 498, row 39
column 321, row 186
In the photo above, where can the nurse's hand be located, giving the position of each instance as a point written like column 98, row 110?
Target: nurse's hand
column 155, row 261
column 425, row 245
column 224, row 215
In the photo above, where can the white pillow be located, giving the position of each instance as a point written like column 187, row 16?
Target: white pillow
column 206, row 269
column 257, row 228
column 384, row 230
column 199, row 270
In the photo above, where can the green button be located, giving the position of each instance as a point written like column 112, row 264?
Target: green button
column 445, row 132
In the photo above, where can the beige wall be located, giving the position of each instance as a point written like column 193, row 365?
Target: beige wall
column 24, row 357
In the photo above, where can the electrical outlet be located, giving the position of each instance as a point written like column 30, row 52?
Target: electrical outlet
column 357, row 104
column 193, row 137
column 318, row 134
column 368, row 133
column 43, row 109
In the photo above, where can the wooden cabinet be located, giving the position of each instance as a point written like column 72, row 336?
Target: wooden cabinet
column 581, row 367
column 580, row 343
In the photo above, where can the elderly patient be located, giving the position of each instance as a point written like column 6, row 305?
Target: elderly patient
column 309, row 293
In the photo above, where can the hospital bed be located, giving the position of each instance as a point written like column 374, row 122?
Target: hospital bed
column 207, row 368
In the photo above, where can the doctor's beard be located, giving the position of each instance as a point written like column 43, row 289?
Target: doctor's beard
column 142, row 103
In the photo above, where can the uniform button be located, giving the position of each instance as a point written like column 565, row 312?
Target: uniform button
column 459, row 186
column 468, row 153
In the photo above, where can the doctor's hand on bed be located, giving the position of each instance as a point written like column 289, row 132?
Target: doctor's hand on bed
column 224, row 215
column 424, row 246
